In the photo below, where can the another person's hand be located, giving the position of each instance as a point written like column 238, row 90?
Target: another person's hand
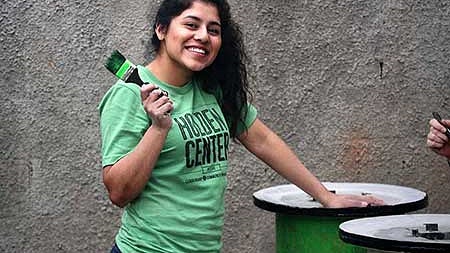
column 348, row 200
column 437, row 140
column 157, row 105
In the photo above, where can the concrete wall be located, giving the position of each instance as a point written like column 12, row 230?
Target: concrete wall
column 350, row 85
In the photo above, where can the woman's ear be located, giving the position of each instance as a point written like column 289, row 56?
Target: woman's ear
column 160, row 32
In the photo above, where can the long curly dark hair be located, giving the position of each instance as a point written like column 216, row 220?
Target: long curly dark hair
column 227, row 75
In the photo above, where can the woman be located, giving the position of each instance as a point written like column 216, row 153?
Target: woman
column 165, row 157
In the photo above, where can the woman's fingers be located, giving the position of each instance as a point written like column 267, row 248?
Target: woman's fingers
column 146, row 90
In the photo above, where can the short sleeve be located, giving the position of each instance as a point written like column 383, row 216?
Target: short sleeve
column 250, row 117
column 123, row 121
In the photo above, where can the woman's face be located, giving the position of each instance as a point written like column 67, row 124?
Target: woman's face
column 193, row 39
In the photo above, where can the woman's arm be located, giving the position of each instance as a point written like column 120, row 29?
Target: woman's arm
column 127, row 178
column 271, row 149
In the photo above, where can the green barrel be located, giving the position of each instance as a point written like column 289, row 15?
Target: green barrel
column 304, row 226
column 310, row 234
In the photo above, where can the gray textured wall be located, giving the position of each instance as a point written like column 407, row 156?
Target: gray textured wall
column 350, row 85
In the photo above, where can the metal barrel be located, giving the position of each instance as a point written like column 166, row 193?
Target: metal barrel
column 304, row 226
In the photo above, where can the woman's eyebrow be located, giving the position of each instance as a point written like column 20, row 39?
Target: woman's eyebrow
column 198, row 19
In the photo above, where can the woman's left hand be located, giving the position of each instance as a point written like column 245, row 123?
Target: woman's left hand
column 347, row 200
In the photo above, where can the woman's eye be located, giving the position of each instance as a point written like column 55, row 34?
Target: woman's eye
column 191, row 25
column 214, row 31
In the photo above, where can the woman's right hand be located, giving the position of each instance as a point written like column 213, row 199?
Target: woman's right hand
column 437, row 140
column 157, row 105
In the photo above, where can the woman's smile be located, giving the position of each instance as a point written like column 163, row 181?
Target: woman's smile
column 198, row 50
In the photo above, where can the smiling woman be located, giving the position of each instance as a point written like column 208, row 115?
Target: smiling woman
column 191, row 43
column 165, row 157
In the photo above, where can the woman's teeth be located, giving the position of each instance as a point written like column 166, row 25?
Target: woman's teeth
column 197, row 50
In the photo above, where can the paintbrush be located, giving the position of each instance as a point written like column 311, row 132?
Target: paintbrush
column 439, row 119
column 123, row 68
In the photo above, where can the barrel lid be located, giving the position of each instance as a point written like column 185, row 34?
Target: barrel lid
column 289, row 199
column 409, row 233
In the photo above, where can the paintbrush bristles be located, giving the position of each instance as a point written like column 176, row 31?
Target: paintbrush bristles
column 123, row 68
column 115, row 61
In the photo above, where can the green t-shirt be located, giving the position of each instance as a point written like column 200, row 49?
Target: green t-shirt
column 181, row 207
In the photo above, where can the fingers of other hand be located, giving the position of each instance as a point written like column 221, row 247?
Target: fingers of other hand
column 437, row 127
column 446, row 122
column 435, row 124
column 433, row 144
column 436, row 138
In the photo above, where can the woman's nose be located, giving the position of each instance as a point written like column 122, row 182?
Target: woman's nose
column 201, row 34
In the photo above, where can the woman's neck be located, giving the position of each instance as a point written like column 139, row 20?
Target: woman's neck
column 168, row 73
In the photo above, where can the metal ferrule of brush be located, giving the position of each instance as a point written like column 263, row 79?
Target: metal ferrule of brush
column 129, row 70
